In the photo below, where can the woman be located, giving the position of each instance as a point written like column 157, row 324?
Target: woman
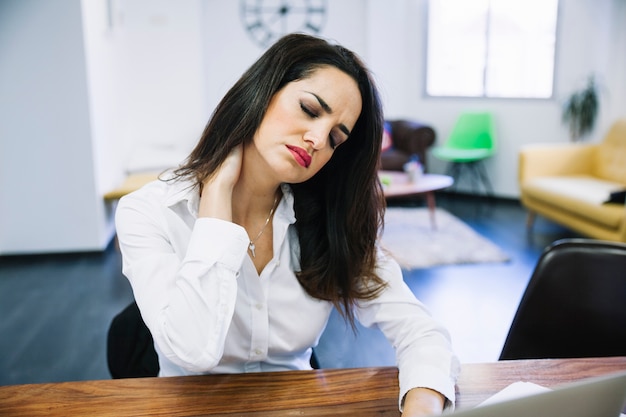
column 238, row 257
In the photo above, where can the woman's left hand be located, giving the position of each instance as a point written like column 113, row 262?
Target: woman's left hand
column 420, row 402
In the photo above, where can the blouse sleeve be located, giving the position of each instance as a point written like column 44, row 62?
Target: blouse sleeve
column 186, row 291
column 423, row 348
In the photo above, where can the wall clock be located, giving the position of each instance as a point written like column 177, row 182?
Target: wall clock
column 267, row 20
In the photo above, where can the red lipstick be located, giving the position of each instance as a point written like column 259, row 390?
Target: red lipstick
column 301, row 156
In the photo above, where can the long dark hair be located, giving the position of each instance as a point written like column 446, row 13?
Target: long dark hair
column 339, row 210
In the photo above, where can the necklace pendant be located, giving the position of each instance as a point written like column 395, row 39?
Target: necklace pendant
column 251, row 246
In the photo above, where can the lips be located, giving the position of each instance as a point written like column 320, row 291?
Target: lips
column 301, row 156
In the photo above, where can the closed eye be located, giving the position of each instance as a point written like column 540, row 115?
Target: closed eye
column 308, row 111
column 333, row 142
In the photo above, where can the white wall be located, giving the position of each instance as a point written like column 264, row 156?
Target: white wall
column 615, row 75
column 93, row 89
column 48, row 196
column 229, row 51
column 148, row 74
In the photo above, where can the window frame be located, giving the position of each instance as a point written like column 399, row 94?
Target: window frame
column 426, row 94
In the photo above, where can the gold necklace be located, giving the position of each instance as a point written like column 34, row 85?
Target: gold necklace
column 251, row 245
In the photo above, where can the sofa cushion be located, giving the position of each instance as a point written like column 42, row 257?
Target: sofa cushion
column 393, row 159
column 581, row 195
column 610, row 163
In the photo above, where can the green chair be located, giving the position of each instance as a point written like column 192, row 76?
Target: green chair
column 472, row 140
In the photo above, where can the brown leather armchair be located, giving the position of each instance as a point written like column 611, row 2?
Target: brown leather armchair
column 408, row 137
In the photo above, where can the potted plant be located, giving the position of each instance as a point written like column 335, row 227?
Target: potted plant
column 580, row 111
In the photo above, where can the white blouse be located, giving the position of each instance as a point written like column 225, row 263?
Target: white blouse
column 209, row 311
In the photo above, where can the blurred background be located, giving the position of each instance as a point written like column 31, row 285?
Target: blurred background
column 93, row 90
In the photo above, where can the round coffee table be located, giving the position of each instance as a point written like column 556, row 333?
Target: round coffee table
column 397, row 184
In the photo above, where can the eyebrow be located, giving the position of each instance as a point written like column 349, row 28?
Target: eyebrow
column 328, row 110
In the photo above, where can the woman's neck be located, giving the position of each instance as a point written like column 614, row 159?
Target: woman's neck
column 255, row 192
column 253, row 200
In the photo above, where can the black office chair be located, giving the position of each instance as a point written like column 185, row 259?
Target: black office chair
column 574, row 305
column 130, row 347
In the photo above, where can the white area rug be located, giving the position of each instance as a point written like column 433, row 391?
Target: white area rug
column 409, row 237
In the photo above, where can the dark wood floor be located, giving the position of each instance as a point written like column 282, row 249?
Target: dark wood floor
column 55, row 309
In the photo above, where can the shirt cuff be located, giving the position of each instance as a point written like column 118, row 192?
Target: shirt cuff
column 433, row 379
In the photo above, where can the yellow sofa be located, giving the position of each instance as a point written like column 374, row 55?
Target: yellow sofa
column 569, row 183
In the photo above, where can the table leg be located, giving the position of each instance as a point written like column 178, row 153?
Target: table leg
column 430, row 200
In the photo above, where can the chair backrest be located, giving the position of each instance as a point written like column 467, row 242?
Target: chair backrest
column 473, row 130
column 130, row 348
column 574, row 304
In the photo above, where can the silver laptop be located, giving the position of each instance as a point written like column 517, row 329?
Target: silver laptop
column 603, row 396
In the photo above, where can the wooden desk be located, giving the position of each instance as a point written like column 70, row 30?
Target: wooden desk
column 332, row 392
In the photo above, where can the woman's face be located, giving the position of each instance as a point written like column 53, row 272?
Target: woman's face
column 305, row 122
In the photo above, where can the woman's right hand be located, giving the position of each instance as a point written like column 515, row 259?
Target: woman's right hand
column 217, row 190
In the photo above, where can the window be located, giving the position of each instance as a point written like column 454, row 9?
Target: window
column 491, row 48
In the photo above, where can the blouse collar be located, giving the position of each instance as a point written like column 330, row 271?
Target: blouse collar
column 186, row 192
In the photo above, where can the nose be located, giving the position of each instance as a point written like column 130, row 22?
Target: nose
column 317, row 138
